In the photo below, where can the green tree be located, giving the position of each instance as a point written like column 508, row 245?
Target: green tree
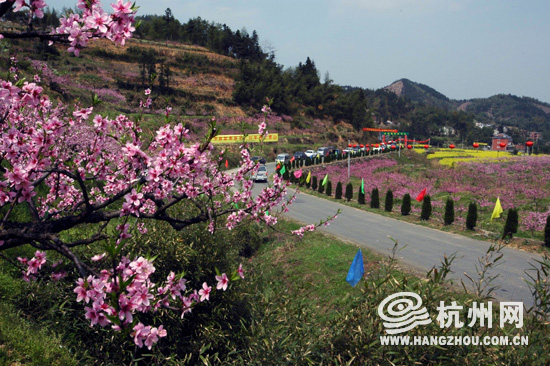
column 449, row 217
column 349, row 191
column 375, row 198
column 547, row 232
column 471, row 218
column 361, row 197
column 314, row 183
column 406, row 205
column 321, row 187
column 426, row 208
column 388, row 203
column 338, row 193
column 511, row 225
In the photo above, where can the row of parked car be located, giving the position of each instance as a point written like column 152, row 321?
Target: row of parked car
column 285, row 158
column 320, row 152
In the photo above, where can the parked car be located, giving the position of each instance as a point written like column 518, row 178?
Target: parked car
column 323, row 151
column 283, row 158
column 310, row 153
column 258, row 158
column 261, row 174
column 300, row 155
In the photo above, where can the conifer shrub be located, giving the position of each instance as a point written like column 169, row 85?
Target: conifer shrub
column 375, row 198
column 426, row 208
column 360, row 197
column 329, row 188
column 321, row 187
column 449, row 217
column 471, row 217
column 349, row 191
column 406, row 205
column 388, row 202
column 314, row 183
column 338, row 193
column 547, row 232
column 511, row 225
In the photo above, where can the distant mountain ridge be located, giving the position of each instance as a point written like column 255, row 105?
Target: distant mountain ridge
column 510, row 110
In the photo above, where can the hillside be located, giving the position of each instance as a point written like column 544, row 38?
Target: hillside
column 203, row 69
column 503, row 109
column 419, row 93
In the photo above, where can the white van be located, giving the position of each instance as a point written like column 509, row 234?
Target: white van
column 283, row 158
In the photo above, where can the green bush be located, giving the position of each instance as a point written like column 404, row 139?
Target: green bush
column 426, row 208
column 375, row 198
column 321, row 187
column 360, row 197
column 547, row 232
column 449, row 217
column 388, row 203
column 314, row 183
column 349, row 191
column 511, row 225
column 338, row 193
column 406, row 205
column 471, row 217
column 329, row 188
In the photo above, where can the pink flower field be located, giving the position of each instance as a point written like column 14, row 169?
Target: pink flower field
column 520, row 182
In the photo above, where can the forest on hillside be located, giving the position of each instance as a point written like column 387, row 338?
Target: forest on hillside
column 300, row 92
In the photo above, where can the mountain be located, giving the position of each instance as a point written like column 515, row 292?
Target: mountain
column 503, row 109
column 419, row 93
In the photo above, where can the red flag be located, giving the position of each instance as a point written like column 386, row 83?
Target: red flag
column 292, row 159
column 421, row 195
column 226, row 163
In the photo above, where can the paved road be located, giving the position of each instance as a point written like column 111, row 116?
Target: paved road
column 425, row 247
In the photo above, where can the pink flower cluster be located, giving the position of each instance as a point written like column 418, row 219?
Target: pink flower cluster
column 135, row 293
column 35, row 6
column 35, row 264
column 94, row 22
column 300, row 232
column 90, row 22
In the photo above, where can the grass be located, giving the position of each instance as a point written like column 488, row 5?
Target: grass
column 22, row 343
column 305, row 312
column 314, row 268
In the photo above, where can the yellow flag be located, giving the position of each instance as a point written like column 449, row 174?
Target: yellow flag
column 308, row 177
column 497, row 210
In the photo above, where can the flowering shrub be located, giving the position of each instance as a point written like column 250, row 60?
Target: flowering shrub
column 64, row 167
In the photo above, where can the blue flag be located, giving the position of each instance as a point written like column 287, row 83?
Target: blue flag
column 356, row 269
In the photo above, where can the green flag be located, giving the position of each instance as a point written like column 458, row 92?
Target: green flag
column 283, row 170
column 362, row 186
column 325, row 180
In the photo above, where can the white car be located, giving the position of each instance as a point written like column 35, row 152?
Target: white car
column 311, row 153
column 282, row 158
column 261, row 174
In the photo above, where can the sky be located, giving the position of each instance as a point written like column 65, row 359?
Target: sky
column 462, row 48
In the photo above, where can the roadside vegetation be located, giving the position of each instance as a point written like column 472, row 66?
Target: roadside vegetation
column 479, row 181
column 294, row 307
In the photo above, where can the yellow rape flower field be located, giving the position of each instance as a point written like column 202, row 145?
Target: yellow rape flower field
column 450, row 157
